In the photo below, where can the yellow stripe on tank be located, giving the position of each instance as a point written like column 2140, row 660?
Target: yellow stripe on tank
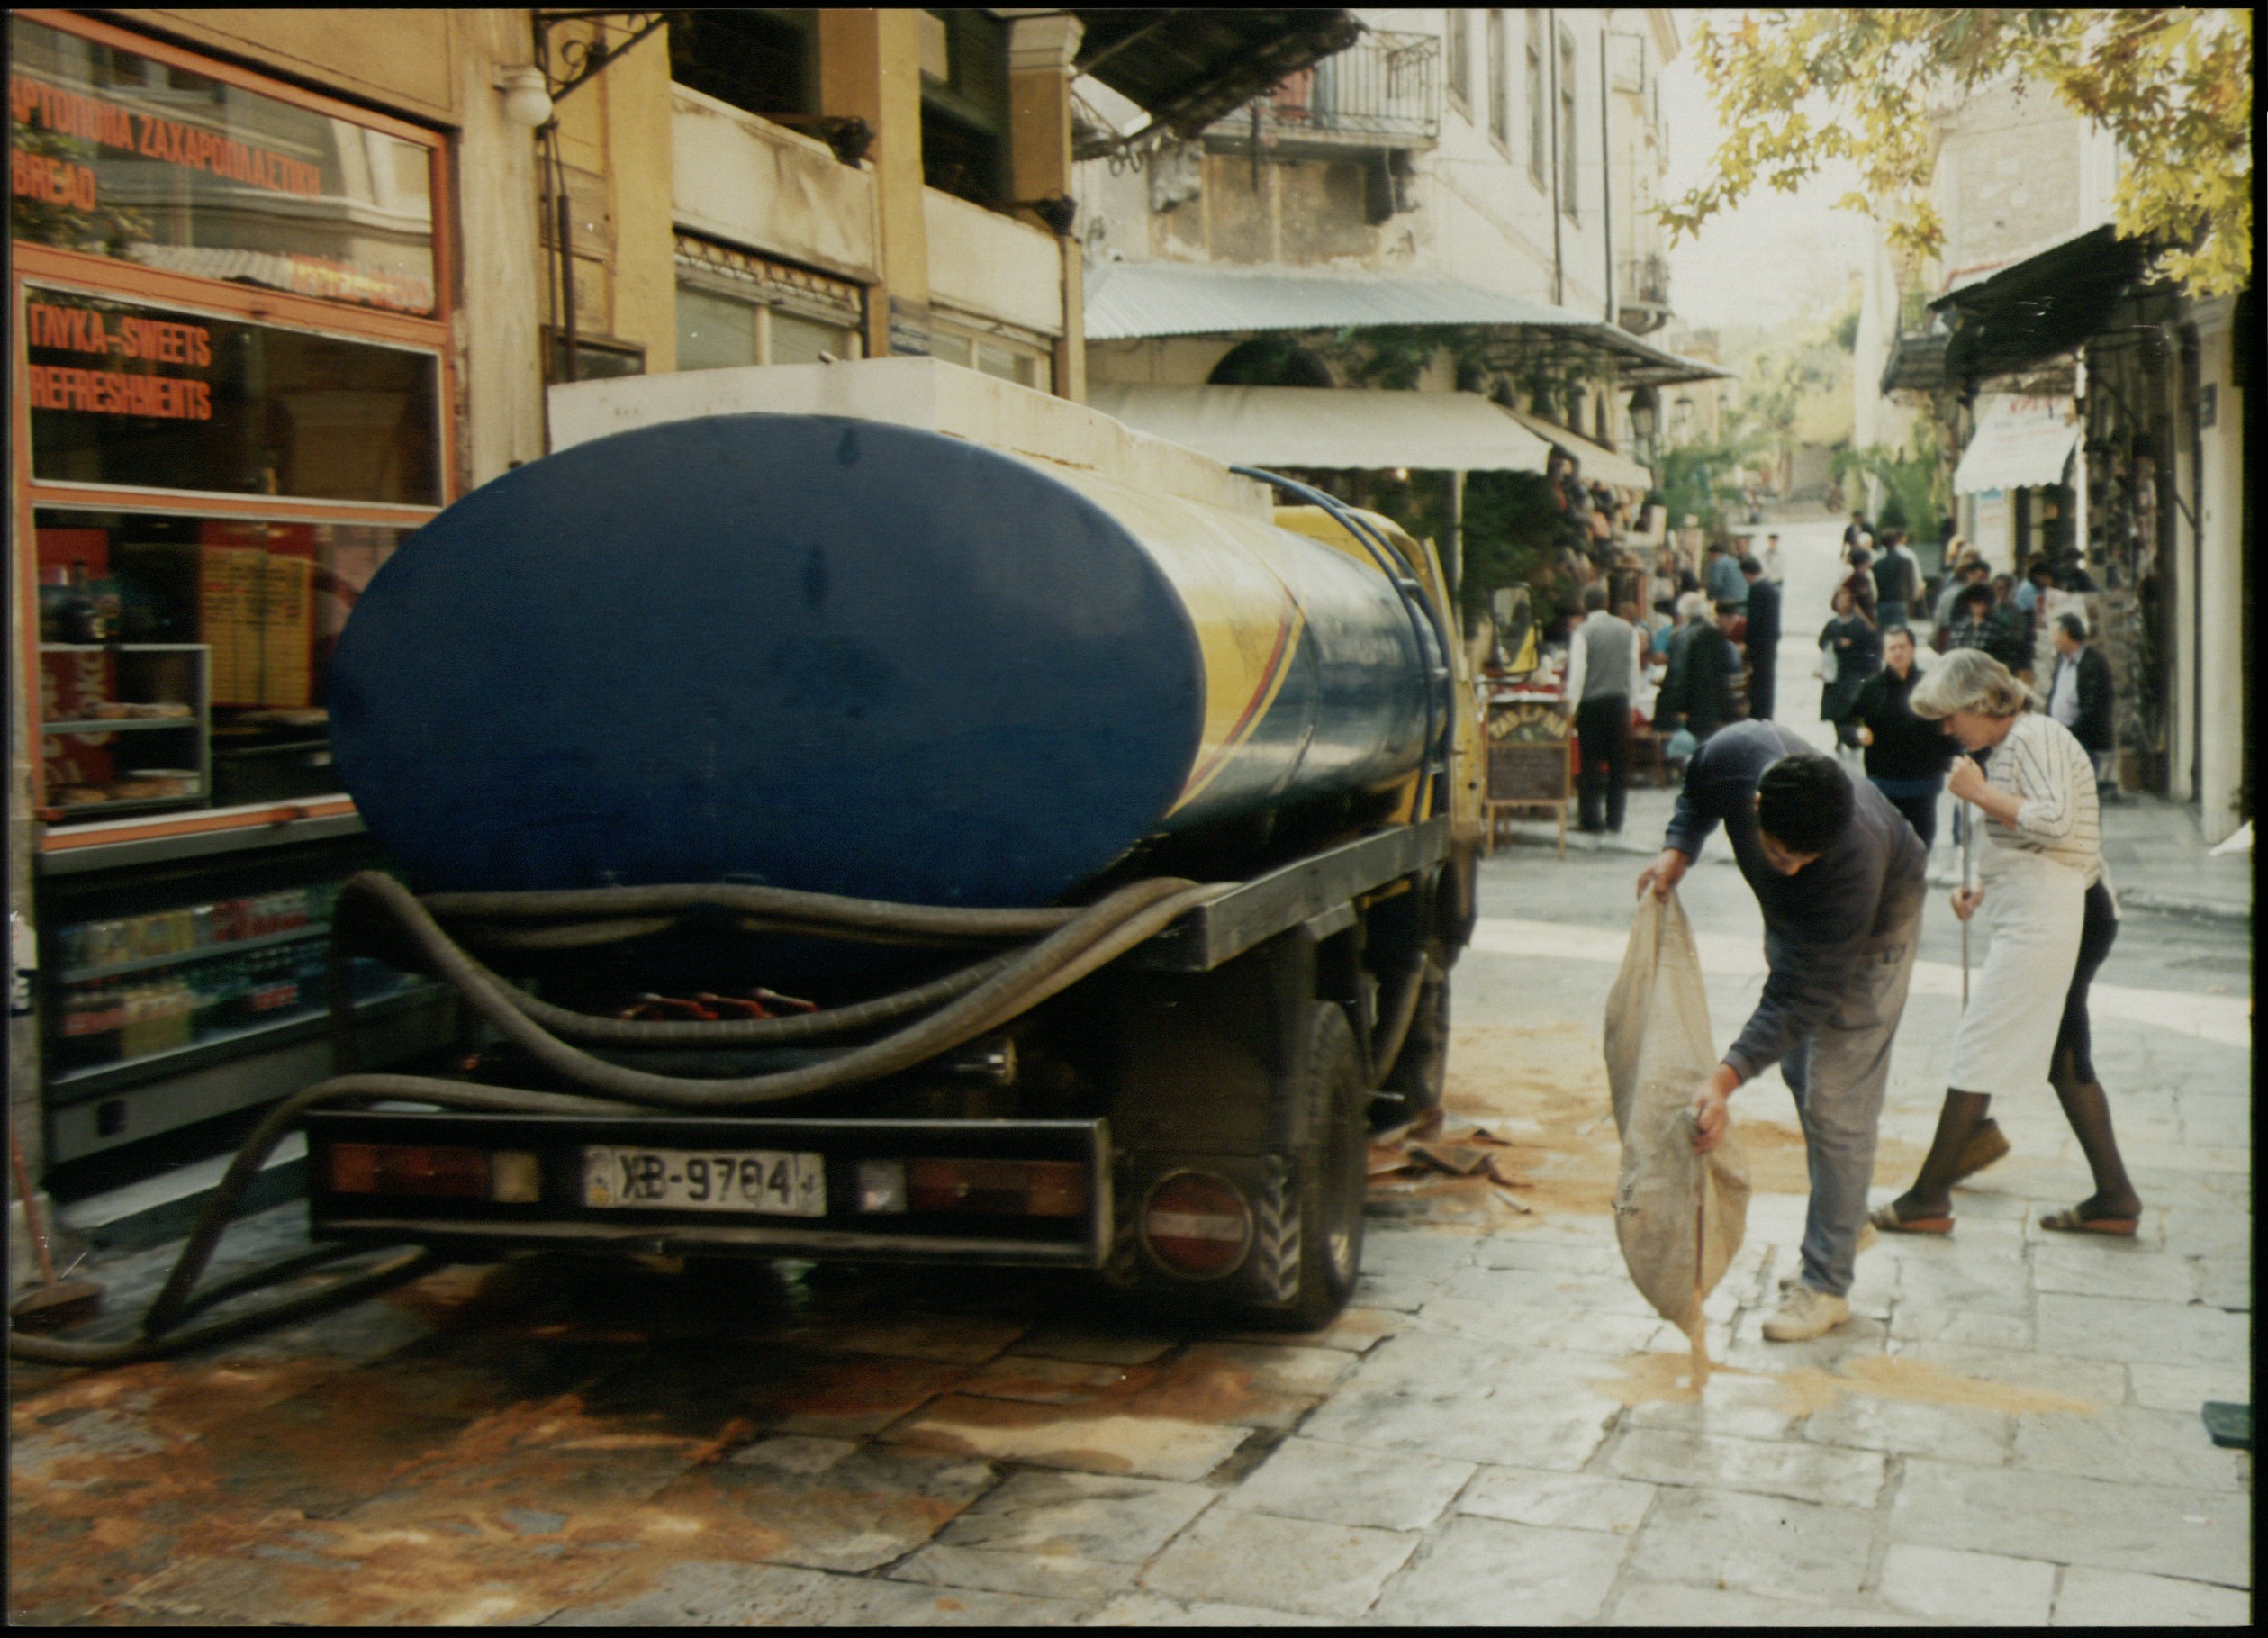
column 1240, row 682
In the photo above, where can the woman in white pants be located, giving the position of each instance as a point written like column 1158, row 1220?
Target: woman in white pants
column 2043, row 894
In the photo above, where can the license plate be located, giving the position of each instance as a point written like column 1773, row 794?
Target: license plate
column 706, row 1180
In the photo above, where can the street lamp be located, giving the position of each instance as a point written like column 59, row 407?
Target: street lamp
column 527, row 99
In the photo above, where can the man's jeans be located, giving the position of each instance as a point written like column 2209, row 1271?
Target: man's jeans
column 1839, row 1075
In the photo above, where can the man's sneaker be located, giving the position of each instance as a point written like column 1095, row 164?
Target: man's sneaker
column 1804, row 1315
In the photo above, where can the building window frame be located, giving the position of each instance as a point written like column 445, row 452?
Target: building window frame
column 1499, row 85
column 1457, row 55
column 1570, row 125
column 1539, row 133
column 767, row 287
column 102, row 277
column 949, row 327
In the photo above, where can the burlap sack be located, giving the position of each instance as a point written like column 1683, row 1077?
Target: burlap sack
column 1679, row 1215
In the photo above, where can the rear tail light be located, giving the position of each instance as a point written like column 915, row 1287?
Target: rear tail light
column 1196, row 1225
column 1001, row 1188
column 508, row 1175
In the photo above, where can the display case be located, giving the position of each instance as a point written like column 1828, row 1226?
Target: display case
column 125, row 728
column 172, row 995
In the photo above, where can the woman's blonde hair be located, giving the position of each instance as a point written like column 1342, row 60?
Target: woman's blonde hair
column 1968, row 680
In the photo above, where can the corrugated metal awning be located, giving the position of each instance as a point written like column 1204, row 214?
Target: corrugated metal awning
column 1189, row 66
column 2020, row 442
column 1333, row 429
column 1594, row 462
column 1131, row 300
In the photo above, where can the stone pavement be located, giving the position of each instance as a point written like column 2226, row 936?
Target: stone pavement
column 1497, row 1432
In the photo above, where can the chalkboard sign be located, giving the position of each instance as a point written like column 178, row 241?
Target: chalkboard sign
column 1528, row 772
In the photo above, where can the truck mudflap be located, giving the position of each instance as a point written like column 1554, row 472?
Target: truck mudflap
column 1035, row 1192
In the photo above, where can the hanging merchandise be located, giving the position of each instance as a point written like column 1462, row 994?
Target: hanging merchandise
column 1678, row 1214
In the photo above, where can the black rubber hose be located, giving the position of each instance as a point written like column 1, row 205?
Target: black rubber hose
column 753, row 1032
column 1099, row 934
column 1081, row 943
column 160, row 1336
column 771, row 903
column 1385, row 1047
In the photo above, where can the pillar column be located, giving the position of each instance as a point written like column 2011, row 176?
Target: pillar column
column 1042, row 51
column 870, row 67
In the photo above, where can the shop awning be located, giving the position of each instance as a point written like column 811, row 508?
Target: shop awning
column 1187, row 67
column 2020, row 442
column 2041, row 305
column 1134, row 300
column 1350, row 430
column 1597, row 464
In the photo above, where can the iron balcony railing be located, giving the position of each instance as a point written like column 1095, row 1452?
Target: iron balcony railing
column 1646, row 278
column 1385, row 91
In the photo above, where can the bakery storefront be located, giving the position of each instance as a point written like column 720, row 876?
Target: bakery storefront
column 231, row 402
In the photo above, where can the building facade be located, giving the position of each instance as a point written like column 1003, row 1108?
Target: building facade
column 1461, row 202
column 2097, row 420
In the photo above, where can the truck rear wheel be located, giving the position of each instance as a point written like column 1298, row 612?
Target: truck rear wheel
column 1312, row 1253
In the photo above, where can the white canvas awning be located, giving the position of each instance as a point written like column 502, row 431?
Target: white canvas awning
column 2020, row 442
column 1334, row 428
column 1598, row 464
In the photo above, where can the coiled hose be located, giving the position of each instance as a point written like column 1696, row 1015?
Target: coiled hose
column 980, row 997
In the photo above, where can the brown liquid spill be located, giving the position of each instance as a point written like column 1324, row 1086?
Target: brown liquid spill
column 1656, row 1377
column 1542, row 1090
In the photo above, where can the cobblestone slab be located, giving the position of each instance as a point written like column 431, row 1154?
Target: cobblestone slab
column 1344, row 1484
column 1116, row 1520
column 1967, row 1589
column 1479, row 1571
column 2203, row 1536
column 2111, row 1597
column 1799, row 1471
column 1571, row 1501
column 1775, row 1548
column 1280, row 1563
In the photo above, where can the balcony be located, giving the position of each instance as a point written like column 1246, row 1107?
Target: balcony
column 1641, row 294
column 1383, row 92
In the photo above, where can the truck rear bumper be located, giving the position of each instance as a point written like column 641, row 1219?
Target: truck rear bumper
column 1027, row 1192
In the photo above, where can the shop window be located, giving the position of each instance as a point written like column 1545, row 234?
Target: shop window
column 120, row 392
column 717, row 333
column 964, row 105
column 594, row 360
column 735, row 308
column 201, row 645
column 1025, row 363
column 121, row 155
column 761, row 61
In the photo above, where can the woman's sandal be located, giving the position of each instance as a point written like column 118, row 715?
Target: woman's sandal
column 2071, row 1223
column 1886, row 1218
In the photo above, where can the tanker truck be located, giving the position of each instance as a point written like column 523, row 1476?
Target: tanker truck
column 872, row 811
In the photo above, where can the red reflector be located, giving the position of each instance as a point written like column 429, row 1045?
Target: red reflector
column 408, row 1169
column 1002, row 1188
column 1197, row 1224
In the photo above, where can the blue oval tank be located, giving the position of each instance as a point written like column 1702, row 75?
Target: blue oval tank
column 851, row 657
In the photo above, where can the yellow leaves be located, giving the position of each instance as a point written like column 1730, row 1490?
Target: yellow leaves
column 1797, row 88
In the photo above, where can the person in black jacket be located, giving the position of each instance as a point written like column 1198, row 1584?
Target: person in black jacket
column 1698, row 693
column 1906, row 756
column 1764, row 638
column 2079, row 695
